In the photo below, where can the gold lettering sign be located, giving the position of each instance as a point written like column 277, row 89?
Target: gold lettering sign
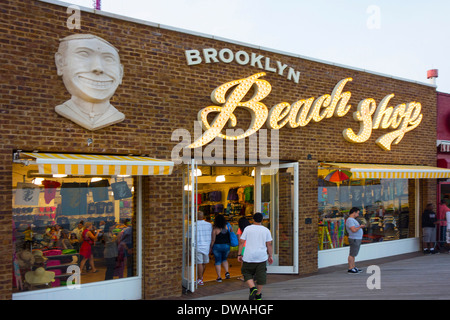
column 404, row 117
column 234, row 99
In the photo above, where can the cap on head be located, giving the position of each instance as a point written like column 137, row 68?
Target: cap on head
column 80, row 36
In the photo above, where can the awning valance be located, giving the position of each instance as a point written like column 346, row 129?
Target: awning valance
column 444, row 145
column 99, row 165
column 384, row 171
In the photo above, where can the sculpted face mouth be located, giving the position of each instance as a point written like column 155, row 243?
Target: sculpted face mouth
column 96, row 84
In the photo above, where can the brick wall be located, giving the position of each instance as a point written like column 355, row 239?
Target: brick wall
column 285, row 219
column 162, row 236
column 308, row 208
column 160, row 93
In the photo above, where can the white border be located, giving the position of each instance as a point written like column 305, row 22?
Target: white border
column 333, row 257
column 118, row 289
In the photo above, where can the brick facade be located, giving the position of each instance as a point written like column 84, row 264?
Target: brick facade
column 161, row 93
column 308, row 206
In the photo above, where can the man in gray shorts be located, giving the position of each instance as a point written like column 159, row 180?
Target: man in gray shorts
column 429, row 229
column 355, row 234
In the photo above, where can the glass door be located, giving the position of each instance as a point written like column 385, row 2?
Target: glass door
column 276, row 197
column 189, row 268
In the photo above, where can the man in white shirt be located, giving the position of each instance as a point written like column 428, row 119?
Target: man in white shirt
column 258, row 251
column 204, row 230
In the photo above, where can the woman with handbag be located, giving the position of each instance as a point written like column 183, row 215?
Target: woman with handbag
column 220, row 246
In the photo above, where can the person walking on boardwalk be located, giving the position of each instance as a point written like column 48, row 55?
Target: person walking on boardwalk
column 258, row 252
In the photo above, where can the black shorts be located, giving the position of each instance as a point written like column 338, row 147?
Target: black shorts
column 258, row 270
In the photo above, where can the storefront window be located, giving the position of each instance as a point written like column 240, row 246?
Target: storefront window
column 52, row 220
column 383, row 203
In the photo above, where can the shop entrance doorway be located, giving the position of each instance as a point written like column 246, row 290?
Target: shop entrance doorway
column 277, row 199
column 238, row 192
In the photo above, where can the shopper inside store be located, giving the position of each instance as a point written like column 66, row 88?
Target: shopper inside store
column 64, row 223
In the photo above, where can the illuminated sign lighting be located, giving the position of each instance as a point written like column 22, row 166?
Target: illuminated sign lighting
column 241, row 87
column 403, row 118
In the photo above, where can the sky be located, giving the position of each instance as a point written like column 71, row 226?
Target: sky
column 401, row 38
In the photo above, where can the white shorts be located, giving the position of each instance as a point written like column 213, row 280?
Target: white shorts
column 202, row 258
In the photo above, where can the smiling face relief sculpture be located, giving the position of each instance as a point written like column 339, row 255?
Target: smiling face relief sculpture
column 91, row 71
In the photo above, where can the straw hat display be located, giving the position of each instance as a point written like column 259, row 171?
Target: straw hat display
column 39, row 276
column 25, row 259
column 39, row 257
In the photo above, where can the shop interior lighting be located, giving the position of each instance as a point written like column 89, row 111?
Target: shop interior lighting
column 38, row 181
column 59, row 175
column 220, row 178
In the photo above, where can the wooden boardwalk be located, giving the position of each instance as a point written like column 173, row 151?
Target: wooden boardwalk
column 407, row 277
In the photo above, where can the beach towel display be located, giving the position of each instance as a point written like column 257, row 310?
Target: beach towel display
column 99, row 190
column 121, row 190
column 27, row 194
column 74, row 198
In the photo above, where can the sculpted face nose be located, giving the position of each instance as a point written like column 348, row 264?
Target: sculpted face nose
column 96, row 65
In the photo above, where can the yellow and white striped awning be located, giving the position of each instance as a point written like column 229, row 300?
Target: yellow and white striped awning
column 384, row 171
column 99, row 165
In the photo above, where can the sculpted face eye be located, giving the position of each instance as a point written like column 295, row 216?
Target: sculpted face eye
column 109, row 58
column 82, row 53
